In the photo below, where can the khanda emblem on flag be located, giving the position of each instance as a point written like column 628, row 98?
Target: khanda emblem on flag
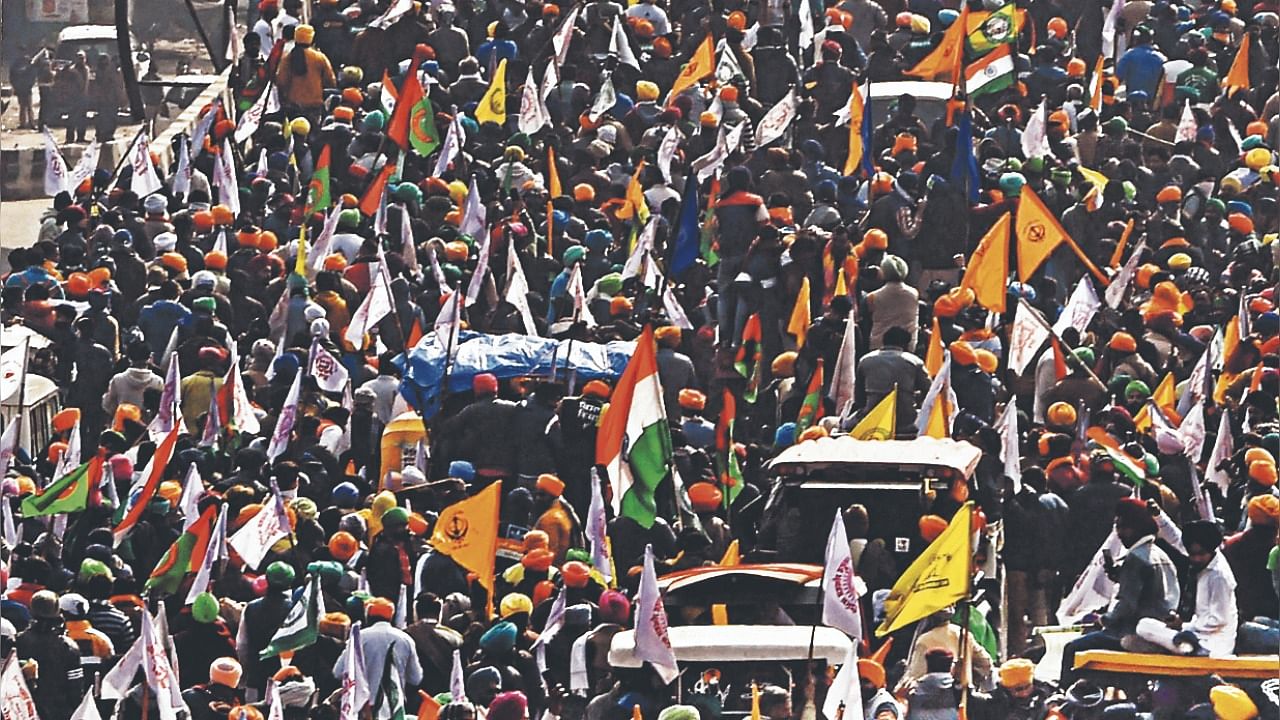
column 936, row 575
column 498, row 103
column 1036, row 232
column 456, row 529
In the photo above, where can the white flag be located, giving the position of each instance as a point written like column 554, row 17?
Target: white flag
column 474, row 214
column 214, row 552
column 1029, row 332
column 620, row 47
column 1192, row 433
column 275, row 708
column 644, row 244
column 13, row 369
column 941, row 387
column 170, row 399
column 378, row 304
column 1080, row 309
column 355, row 689
column 457, row 687
column 201, row 130
column 604, row 100
column 56, row 178
column 243, row 418
column 775, row 122
column 806, row 37
column 224, row 178
column 161, row 676
column 846, row 690
column 675, row 311
column 449, row 319
column 1187, row 128
column 145, row 179
column 841, row 586
column 667, row 152
column 597, row 530
column 192, row 491
column 117, row 681
column 581, row 313
column 88, row 709
column 182, row 167
column 408, row 249
column 288, row 415
column 397, row 10
column 550, row 78
column 653, row 643
column 453, row 140
column 1110, row 45
column 85, row 166
column 533, row 114
column 329, row 373
column 212, row 420
column 555, row 621
column 1114, row 294
column 845, row 375
column 1093, row 590
column 70, row 459
column 16, row 701
column 263, row 530
column 1224, row 446
column 323, row 245
column 8, row 529
column 560, row 41
column 1194, row 391
column 518, row 289
column 726, row 143
column 1035, row 139
column 1010, row 451
column 476, row 284
column 251, row 119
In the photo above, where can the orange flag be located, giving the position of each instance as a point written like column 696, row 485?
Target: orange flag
column 409, row 95
column 948, row 56
column 373, row 196
column 933, row 355
column 1238, row 76
column 857, row 111
column 1039, row 234
column 702, row 64
column 1118, row 256
column 988, row 270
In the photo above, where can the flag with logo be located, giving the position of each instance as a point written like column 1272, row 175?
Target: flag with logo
column 634, row 442
column 355, row 688
column 154, row 473
column 992, row 73
column 652, row 640
column 811, row 406
column 67, row 495
column 284, row 425
column 16, row 700
column 597, row 531
column 937, row 579
column 160, row 674
column 301, row 626
column 55, row 167
column 329, row 373
column 493, row 106
column 998, row 29
column 185, row 555
column 254, row 539
column 841, row 586
column 700, row 65
column 882, row 422
column 467, row 531
column 319, row 196
column 378, row 304
column 774, row 124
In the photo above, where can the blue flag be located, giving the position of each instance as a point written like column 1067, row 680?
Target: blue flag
column 964, row 168
column 868, row 150
column 689, row 232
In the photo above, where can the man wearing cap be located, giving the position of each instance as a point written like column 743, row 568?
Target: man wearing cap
column 95, row 647
column 391, row 557
column 1147, row 579
column 60, row 684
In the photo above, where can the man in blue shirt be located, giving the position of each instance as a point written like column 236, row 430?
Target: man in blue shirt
column 1142, row 66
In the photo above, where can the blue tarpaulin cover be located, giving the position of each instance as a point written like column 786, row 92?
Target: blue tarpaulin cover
column 505, row 356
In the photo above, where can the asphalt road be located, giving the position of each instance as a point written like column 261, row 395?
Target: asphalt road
column 20, row 220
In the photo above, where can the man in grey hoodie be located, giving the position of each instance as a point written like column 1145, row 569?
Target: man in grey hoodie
column 935, row 696
column 132, row 385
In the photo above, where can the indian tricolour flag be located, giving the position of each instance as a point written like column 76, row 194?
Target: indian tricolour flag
column 634, row 443
column 992, row 72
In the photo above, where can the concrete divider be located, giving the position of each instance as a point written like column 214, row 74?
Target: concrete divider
column 22, row 168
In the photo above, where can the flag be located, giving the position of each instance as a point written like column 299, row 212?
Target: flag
column 453, row 140
column 688, row 238
column 16, row 700
column 428, row 706
column 1026, row 337
column 378, row 304
column 1081, row 307
column 167, row 417
column 1217, row 469
column 732, row 555
column 1238, row 76
column 475, row 221
column 13, row 369
column 284, row 425
column 562, row 39
column 145, row 179
column 1110, row 46
column 939, row 407
column 389, row 703
column 667, row 152
column 88, row 163
column 675, row 312
column 806, row 29
column 8, row 447
column 533, row 113
column 400, row 117
column 859, row 154
column 56, row 177
column 841, row 587
column 554, row 623
column 882, row 422
column 160, row 674
column 800, row 320
column 1039, row 233
column 597, row 531
column 844, row 376
column 633, row 442
column 652, row 642
column 1164, row 399
column 964, row 168
column 372, row 199
column 457, row 685
column 235, row 409
column 1010, row 449
column 997, row 30
column 620, row 47
column 354, row 690
column 1096, row 82
column 987, row 273
column 224, row 177
column 154, row 474
column 67, row 495
column 991, row 73
column 215, row 550
column 301, row 626
column 269, row 526
column 318, row 194
column 1115, row 292
column 493, row 106
column 329, row 373
column 749, row 362
column 581, row 313
column 267, row 103
column 606, row 99
column 730, row 470
column 467, row 531
column 1128, row 465
column 726, row 142
column 634, row 203
column 424, row 138
column 937, row 579
column 517, row 292
column 775, row 122
column 700, row 65
column 811, row 406
column 946, row 58
column 88, row 709
column 185, row 555
column 1187, row 126
column 1035, row 137
column 844, row 696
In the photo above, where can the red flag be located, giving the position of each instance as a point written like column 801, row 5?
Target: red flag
column 401, row 117
column 159, row 461
column 373, row 196
column 1059, row 360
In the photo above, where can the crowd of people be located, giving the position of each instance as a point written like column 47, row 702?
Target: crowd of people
column 1061, row 250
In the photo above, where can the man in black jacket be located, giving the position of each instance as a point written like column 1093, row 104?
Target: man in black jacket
column 261, row 620
column 60, row 684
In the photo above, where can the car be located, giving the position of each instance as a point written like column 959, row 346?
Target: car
column 931, row 98
column 893, row 478
column 92, row 40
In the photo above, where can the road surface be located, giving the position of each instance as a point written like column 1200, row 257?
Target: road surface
column 21, row 222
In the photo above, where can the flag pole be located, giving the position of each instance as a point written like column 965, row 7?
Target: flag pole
column 967, row 605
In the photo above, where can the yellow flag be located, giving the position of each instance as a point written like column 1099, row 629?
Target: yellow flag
column 635, row 204
column 300, row 265
column 1165, row 397
column 1238, row 76
column 1039, row 233
column 755, row 702
column 467, row 531
column 493, row 106
column 842, row 287
column 948, row 56
column 732, row 555
column 939, row 414
column 933, row 355
column 856, row 112
column 1095, row 94
column 988, row 270
column 938, row 578
column 702, row 64
column 882, row 422
column 799, row 323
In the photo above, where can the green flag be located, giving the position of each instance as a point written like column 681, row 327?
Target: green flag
column 389, row 705
column 423, row 135
column 189, row 548
column 301, row 626
column 998, row 28
column 67, row 495
column 319, row 196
